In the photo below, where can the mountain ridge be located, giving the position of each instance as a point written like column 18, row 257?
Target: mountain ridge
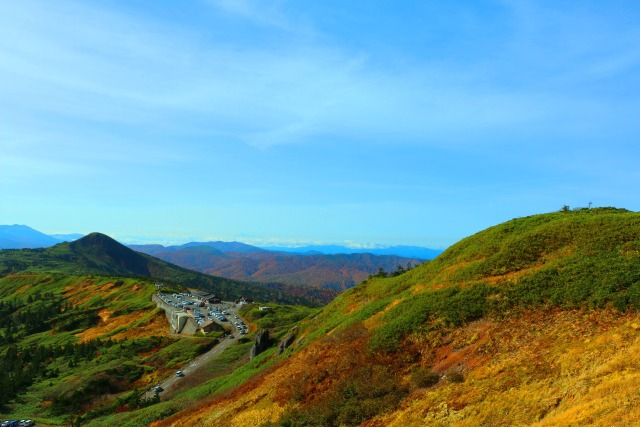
column 25, row 237
column 337, row 271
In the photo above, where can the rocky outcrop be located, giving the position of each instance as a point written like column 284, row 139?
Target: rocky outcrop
column 262, row 343
column 287, row 341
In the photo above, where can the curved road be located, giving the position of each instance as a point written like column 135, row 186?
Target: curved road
column 197, row 362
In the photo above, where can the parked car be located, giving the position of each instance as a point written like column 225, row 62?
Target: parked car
column 26, row 423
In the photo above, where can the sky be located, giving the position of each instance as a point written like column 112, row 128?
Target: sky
column 321, row 121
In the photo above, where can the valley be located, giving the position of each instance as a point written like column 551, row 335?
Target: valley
column 335, row 272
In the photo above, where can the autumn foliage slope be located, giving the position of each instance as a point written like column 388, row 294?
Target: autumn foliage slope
column 531, row 322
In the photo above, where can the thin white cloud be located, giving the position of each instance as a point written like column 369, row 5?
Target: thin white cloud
column 267, row 13
column 94, row 65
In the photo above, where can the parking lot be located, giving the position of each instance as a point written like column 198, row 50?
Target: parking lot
column 222, row 313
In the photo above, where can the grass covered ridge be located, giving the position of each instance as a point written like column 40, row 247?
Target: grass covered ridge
column 584, row 259
column 531, row 321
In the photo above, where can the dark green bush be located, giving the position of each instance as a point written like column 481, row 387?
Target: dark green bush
column 455, row 377
column 453, row 305
column 425, row 377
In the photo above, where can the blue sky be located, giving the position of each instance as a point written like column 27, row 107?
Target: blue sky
column 360, row 122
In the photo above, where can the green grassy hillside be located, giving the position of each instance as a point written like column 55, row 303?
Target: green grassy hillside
column 584, row 259
column 423, row 348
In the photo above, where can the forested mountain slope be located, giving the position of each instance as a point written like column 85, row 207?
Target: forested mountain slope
column 335, row 271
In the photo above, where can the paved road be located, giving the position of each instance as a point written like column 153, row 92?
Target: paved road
column 168, row 383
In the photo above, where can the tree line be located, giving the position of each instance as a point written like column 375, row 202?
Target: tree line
column 397, row 272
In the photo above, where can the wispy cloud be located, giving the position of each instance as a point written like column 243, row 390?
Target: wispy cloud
column 267, row 13
column 222, row 117
column 135, row 88
column 87, row 63
column 574, row 41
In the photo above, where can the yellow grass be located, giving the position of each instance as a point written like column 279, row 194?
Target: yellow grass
column 545, row 369
column 157, row 325
column 553, row 368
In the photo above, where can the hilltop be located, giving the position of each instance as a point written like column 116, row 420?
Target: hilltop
column 534, row 321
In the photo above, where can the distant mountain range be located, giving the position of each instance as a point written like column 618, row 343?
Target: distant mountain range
column 22, row 236
column 217, row 246
column 403, row 251
column 244, row 262
column 320, row 266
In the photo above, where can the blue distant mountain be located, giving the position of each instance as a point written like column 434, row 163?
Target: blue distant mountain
column 216, row 246
column 403, row 251
column 21, row 236
column 225, row 246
